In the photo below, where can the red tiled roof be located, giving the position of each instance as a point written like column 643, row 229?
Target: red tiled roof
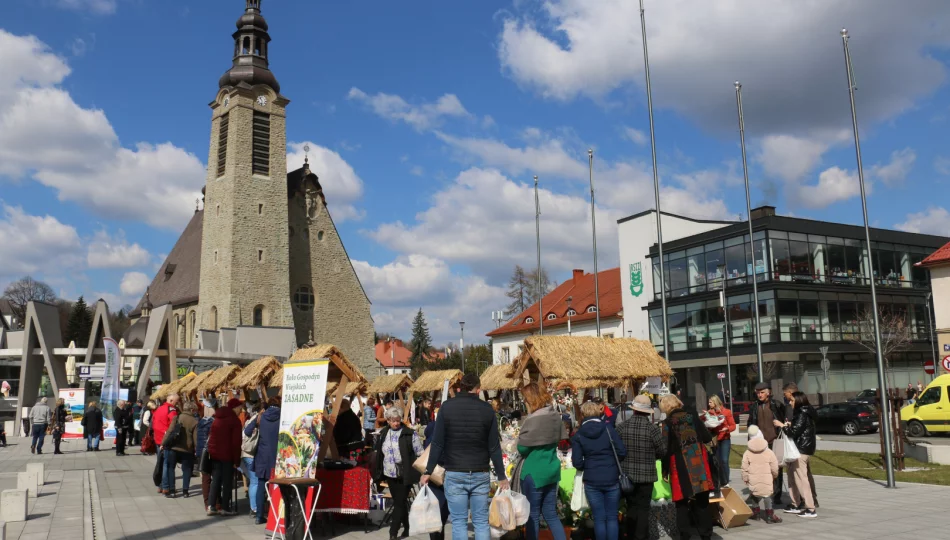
column 937, row 258
column 387, row 353
column 581, row 290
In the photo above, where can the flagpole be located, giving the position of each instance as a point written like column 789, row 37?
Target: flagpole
column 593, row 226
column 882, row 380
column 537, row 233
column 748, row 209
column 656, row 182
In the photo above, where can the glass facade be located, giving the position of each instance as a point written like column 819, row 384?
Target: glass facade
column 789, row 257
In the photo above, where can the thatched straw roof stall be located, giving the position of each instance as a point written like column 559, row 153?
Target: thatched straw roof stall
column 219, row 379
column 339, row 364
column 173, row 387
column 432, row 381
column 499, row 377
column 257, row 373
column 191, row 387
column 590, row 362
column 277, row 379
column 390, row 384
column 352, row 388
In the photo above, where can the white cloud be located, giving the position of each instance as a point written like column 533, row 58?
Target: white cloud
column 46, row 135
column 546, row 158
column 108, row 252
column 788, row 157
column 102, row 7
column 788, row 56
column 134, row 284
column 895, row 172
column 934, row 220
column 421, row 117
column 416, row 170
column 35, row 244
column 635, row 136
column 834, row 185
column 942, row 165
column 341, row 185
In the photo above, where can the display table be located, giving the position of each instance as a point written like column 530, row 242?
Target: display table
column 344, row 491
column 292, row 505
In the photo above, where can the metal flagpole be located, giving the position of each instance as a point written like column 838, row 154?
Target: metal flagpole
column 727, row 335
column 537, row 232
column 933, row 344
column 593, row 226
column 882, row 379
column 656, row 182
column 748, row 207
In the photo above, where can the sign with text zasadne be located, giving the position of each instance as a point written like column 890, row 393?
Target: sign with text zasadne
column 636, row 279
column 301, row 418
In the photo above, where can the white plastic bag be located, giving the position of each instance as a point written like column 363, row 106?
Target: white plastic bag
column 424, row 515
column 578, row 497
column 521, row 506
column 791, row 451
column 501, row 513
column 712, row 421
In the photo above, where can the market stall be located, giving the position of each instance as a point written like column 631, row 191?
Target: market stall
column 396, row 385
column 434, row 381
column 255, row 376
column 218, row 383
column 189, row 390
column 173, row 387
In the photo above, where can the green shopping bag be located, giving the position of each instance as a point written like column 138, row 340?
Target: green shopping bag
column 661, row 488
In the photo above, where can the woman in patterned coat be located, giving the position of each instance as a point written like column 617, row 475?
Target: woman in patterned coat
column 687, row 466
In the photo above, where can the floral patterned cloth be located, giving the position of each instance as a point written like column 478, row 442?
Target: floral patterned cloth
column 391, row 456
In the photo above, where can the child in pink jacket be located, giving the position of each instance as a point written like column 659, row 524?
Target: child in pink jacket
column 759, row 469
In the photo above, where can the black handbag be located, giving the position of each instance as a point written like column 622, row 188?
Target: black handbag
column 626, row 485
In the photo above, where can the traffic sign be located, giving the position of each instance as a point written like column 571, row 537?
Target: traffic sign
column 946, row 363
column 929, row 367
column 92, row 372
column 720, row 375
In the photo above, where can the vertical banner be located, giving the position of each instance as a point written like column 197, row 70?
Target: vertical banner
column 75, row 399
column 445, row 391
column 301, row 418
column 110, row 379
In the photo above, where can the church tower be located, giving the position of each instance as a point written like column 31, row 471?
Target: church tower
column 244, row 251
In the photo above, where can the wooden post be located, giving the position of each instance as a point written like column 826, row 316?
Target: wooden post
column 359, row 402
column 405, row 410
column 327, row 444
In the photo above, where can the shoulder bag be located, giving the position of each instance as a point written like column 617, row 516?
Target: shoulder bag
column 249, row 446
column 626, row 485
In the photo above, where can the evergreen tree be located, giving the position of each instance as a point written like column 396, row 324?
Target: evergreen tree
column 420, row 344
column 517, row 292
column 79, row 325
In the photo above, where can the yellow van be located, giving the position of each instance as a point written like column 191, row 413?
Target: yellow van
column 931, row 412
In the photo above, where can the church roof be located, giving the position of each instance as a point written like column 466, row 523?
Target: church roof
column 251, row 41
column 177, row 281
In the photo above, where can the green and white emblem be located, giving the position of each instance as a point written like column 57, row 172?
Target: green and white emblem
column 636, row 280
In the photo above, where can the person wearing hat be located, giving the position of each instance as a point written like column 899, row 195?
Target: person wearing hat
column 644, row 445
column 770, row 416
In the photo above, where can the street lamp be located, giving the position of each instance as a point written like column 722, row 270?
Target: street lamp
column 462, row 344
column 933, row 343
column 392, row 355
column 569, row 298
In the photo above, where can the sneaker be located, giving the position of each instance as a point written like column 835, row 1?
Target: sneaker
column 770, row 517
column 793, row 510
column 253, row 513
column 211, row 511
column 228, row 513
column 808, row 514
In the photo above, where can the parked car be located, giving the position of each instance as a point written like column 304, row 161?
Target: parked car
column 866, row 396
column 851, row 418
column 931, row 412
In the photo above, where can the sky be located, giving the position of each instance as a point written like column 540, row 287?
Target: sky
column 427, row 121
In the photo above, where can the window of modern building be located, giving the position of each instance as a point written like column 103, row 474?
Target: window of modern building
column 679, row 282
column 715, row 260
column 741, row 323
column 698, row 328
column 677, row 326
column 735, row 262
column 696, row 269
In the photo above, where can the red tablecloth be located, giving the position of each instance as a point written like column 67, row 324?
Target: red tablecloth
column 344, row 492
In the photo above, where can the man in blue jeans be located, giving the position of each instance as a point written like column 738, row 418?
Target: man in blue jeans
column 40, row 417
column 466, row 440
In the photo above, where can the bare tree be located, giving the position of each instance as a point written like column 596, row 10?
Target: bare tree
column 895, row 335
column 26, row 289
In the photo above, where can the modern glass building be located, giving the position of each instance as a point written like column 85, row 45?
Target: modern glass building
column 814, row 288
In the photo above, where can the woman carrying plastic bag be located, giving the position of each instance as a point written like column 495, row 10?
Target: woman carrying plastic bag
column 508, row 511
column 424, row 514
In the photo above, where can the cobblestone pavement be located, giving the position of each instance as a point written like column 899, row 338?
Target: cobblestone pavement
column 124, row 504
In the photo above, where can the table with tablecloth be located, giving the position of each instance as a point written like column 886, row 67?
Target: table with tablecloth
column 344, row 491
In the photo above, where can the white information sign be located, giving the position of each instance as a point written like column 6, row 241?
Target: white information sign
column 301, row 418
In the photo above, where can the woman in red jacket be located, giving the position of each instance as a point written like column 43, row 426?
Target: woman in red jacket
column 224, row 449
column 722, row 432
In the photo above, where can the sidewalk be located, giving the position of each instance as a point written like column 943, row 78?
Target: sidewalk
column 130, row 508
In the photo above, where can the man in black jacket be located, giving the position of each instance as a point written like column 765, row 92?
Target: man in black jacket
column 770, row 416
column 465, row 441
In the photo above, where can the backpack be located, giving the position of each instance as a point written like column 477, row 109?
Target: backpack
column 249, row 445
column 171, row 436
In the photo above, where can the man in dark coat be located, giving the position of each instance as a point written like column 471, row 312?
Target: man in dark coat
column 347, row 433
column 770, row 416
column 92, row 426
column 60, row 417
column 266, row 456
column 123, row 424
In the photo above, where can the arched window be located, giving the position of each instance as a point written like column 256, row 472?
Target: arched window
column 551, row 316
column 571, row 312
column 192, row 326
column 258, row 315
column 214, row 318
column 304, row 298
column 257, row 47
column 180, row 328
column 529, row 320
column 247, row 45
column 592, row 309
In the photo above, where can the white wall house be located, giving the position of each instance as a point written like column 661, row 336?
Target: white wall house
column 570, row 309
column 637, row 233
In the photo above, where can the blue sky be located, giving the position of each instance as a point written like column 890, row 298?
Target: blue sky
column 428, row 119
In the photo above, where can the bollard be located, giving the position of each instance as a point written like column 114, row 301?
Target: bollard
column 13, row 504
column 40, row 470
column 27, row 481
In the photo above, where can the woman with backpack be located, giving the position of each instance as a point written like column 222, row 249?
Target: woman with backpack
column 181, row 437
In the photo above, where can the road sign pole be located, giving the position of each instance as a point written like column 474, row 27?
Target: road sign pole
column 825, row 366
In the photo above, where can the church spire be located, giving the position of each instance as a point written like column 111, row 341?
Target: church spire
column 251, row 44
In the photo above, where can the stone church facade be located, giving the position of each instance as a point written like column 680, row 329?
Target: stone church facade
column 264, row 251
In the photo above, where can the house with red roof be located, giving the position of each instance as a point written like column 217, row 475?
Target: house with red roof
column 938, row 264
column 570, row 309
column 393, row 356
